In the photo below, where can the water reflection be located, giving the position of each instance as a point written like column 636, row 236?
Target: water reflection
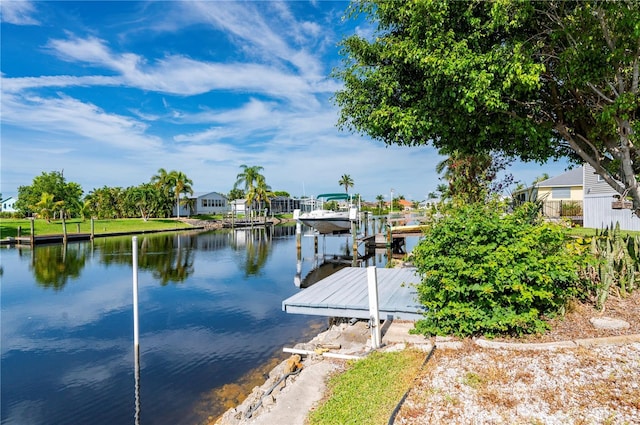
column 54, row 265
column 210, row 310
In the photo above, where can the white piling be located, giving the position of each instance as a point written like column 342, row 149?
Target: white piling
column 374, row 313
column 136, row 332
column 136, row 335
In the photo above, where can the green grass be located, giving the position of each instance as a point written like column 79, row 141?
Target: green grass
column 368, row 391
column 9, row 227
column 586, row 232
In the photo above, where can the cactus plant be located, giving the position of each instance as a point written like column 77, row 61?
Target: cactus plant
column 618, row 263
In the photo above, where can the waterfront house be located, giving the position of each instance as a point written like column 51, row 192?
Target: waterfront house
column 8, row 205
column 204, row 203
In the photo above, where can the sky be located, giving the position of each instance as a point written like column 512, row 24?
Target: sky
column 110, row 92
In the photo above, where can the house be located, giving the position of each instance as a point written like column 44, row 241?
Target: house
column 8, row 205
column 602, row 204
column 405, row 205
column 284, row 205
column 561, row 196
column 204, row 203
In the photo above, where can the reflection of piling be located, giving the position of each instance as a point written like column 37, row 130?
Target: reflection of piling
column 315, row 244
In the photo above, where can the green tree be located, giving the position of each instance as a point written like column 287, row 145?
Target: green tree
column 380, row 199
column 248, row 178
column 165, row 181
column 473, row 177
column 235, row 193
column 346, row 181
column 52, row 183
column 145, row 199
column 182, row 185
column 260, row 192
column 532, row 79
column 172, row 184
column 46, row 207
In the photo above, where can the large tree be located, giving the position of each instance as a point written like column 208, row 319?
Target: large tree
column 172, row 184
column 249, row 178
column 473, row 177
column 53, row 183
column 535, row 80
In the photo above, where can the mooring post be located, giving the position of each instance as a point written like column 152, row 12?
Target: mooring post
column 92, row 229
column 32, row 236
column 134, row 248
column 64, row 228
column 136, row 333
column 374, row 313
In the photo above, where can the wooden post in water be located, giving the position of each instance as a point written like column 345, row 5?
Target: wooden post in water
column 64, row 228
column 19, row 231
column 32, row 236
column 315, row 244
column 355, row 243
column 77, row 227
column 93, row 233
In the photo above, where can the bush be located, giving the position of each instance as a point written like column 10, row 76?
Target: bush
column 488, row 272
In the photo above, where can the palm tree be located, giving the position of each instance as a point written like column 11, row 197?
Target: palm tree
column 261, row 192
column 249, row 177
column 182, row 184
column 380, row 199
column 165, row 182
column 173, row 183
column 47, row 207
column 346, row 181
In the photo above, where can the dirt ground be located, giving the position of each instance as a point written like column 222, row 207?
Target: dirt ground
column 597, row 382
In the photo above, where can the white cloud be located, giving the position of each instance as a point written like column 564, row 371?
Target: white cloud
column 66, row 115
column 18, row 12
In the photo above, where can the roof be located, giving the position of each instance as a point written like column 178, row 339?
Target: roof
column 345, row 294
column 203, row 194
column 570, row 178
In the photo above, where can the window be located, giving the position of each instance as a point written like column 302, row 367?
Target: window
column 213, row 203
column 561, row 193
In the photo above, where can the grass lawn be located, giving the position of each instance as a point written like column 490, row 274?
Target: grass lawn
column 369, row 390
column 9, row 227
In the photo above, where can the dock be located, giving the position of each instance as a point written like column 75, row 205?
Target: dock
column 345, row 294
column 50, row 239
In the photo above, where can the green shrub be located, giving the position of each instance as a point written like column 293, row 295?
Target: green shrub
column 488, row 272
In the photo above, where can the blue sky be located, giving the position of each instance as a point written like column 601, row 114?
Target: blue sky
column 112, row 91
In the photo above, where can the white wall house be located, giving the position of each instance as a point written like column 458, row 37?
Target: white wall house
column 601, row 204
column 8, row 205
column 204, row 203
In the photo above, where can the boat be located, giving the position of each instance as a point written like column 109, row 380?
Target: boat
column 326, row 221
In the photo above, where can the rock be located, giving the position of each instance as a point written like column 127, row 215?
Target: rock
column 609, row 323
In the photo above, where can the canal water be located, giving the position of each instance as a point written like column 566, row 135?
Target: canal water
column 210, row 308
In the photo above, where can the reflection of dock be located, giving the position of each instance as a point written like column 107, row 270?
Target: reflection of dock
column 49, row 239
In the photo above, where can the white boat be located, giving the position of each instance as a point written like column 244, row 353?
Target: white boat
column 326, row 221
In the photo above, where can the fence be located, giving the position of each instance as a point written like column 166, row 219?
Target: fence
column 569, row 209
